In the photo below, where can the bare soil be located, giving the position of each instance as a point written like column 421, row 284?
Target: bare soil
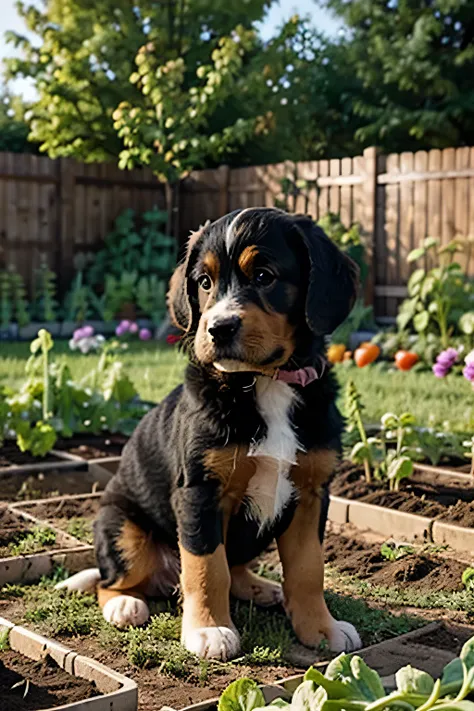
column 424, row 493
column 96, row 447
column 49, row 686
column 420, row 571
column 70, row 515
column 12, row 456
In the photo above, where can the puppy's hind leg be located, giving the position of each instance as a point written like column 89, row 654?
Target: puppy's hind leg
column 85, row 581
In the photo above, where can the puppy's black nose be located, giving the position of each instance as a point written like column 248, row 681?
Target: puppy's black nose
column 224, row 329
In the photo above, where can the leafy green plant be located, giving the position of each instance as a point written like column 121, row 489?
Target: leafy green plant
column 389, row 456
column 19, row 298
column 349, row 684
column 44, row 303
column 138, row 245
column 35, row 540
column 6, row 308
column 395, row 551
column 436, row 446
column 151, row 297
column 51, row 404
column 118, row 291
column 79, row 300
column 468, row 578
column 439, row 297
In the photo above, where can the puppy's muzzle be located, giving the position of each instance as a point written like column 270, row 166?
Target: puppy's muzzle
column 224, row 329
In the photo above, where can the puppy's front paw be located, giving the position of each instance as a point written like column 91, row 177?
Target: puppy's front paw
column 125, row 610
column 343, row 637
column 212, row 642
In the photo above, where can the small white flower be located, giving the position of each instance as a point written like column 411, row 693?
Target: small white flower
column 469, row 358
column 87, row 423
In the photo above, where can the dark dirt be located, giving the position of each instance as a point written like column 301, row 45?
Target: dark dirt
column 424, row 493
column 13, row 530
column 70, row 515
column 98, row 447
column 49, row 686
column 449, row 639
column 426, row 573
column 11, row 456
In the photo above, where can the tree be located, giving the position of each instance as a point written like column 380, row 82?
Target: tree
column 13, row 127
column 85, row 57
column 415, row 60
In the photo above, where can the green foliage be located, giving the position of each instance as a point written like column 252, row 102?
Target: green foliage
column 439, row 296
column 468, row 579
column 168, row 127
column 349, row 684
column 13, row 126
column 5, row 640
column 79, row 301
column 389, row 456
column 394, row 551
column 412, row 64
column 44, row 306
column 13, row 302
column 35, row 540
column 50, row 403
column 81, row 529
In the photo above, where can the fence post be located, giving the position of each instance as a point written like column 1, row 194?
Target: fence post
column 370, row 218
column 65, row 227
column 223, row 177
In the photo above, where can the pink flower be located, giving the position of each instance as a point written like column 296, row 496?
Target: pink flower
column 144, row 334
column 133, row 328
column 87, row 331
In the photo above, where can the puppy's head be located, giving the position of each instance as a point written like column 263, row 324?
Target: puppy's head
column 256, row 287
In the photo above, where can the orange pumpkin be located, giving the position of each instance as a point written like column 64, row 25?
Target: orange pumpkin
column 405, row 360
column 366, row 354
column 335, row 352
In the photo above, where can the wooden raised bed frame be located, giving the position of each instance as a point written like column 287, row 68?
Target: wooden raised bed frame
column 118, row 693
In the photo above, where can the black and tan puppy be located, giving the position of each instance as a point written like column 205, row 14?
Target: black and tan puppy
column 239, row 454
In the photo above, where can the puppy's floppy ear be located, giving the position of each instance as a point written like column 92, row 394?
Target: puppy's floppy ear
column 333, row 279
column 178, row 297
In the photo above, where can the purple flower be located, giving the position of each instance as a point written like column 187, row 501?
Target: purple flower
column 120, row 330
column 133, row 328
column 87, row 331
column 448, row 357
column 144, row 334
column 440, row 370
column 125, row 325
column 78, row 334
column 468, row 372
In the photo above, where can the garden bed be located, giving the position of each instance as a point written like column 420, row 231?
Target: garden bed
column 72, row 514
column 426, row 493
column 38, row 673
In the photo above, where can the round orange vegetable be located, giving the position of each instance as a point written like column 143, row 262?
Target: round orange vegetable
column 366, row 354
column 347, row 355
column 405, row 360
column 335, row 352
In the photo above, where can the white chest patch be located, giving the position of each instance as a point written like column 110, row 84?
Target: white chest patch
column 270, row 489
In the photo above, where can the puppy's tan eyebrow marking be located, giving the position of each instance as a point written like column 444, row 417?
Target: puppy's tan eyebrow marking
column 247, row 260
column 212, row 265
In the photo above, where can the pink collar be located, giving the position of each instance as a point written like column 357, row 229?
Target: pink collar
column 302, row 376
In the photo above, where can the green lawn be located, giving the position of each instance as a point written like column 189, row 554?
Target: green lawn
column 155, row 370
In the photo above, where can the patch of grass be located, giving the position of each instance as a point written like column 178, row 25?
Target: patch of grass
column 265, row 634
column 5, row 641
column 35, row 540
column 403, row 597
column 445, row 403
column 81, row 529
column 374, row 625
column 155, row 369
column 65, row 615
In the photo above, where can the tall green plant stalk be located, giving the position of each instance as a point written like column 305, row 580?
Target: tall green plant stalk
column 44, row 343
column 355, row 407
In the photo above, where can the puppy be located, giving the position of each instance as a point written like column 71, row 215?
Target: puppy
column 240, row 453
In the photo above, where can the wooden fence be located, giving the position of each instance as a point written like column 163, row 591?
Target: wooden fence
column 59, row 208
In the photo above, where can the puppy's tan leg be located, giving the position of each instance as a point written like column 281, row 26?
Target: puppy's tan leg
column 123, row 603
column 207, row 628
column 302, row 559
column 247, row 585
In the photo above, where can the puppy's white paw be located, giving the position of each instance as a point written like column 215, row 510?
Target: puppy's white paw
column 125, row 610
column 85, row 581
column 212, row 642
column 344, row 637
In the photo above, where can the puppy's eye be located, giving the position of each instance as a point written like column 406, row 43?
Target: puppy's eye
column 205, row 282
column 264, row 277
